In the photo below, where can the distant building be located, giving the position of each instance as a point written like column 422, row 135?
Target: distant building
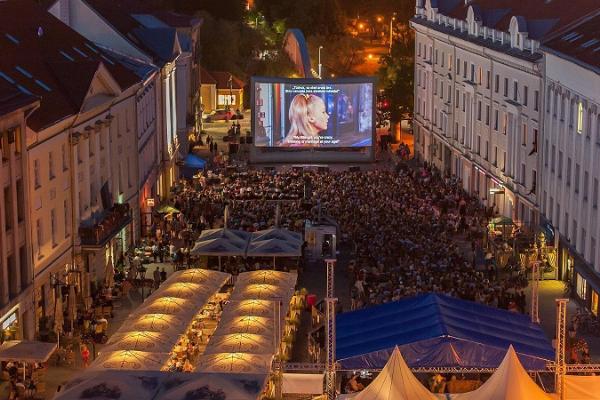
column 221, row 90
column 571, row 153
column 16, row 273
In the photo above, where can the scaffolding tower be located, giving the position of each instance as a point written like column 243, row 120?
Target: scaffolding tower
column 561, row 337
column 535, row 286
column 330, row 310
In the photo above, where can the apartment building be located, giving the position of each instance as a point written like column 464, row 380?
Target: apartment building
column 16, row 293
column 479, row 94
column 571, row 153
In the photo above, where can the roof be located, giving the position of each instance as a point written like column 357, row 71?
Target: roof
column 133, row 21
column 206, row 78
column 438, row 331
column 43, row 57
column 222, row 79
column 548, row 16
column 580, row 42
column 26, row 351
column 12, row 99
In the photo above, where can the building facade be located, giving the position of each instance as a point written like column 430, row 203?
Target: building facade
column 16, row 277
column 479, row 95
column 571, row 154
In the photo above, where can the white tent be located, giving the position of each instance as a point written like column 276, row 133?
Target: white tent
column 245, row 324
column 169, row 305
column 182, row 290
column 582, row 387
column 240, row 343
column 274, row 248
column 26, row 351
column 269, row 277
column 302, row 383
column 262, row 292
column 256, row 308
column 509, row 382
column 218, row 247
column 277, row 233
column 163, row 323
column 242, row 363
column 155, row 342
column 395, row 382
column 237, row 237
column 130, row 360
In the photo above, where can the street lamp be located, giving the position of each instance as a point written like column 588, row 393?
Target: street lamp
column 320, row 65
column 392, row 30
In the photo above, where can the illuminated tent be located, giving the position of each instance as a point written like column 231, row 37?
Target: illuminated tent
column 219, row 247
column 166, row 324
column 240, row 343
column 395, row 382
column 582, row 387
column 509, row 382
column 262, row 292
column 245, row 324
column 200, row 276
column 155, row 342
column 237, row 237
column 269, row 277
column 241, row 363
column 169, row 305
column 130, row 360
column 257, row 308
column 182, row 290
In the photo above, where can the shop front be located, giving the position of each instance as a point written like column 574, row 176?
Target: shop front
column 583, row 280
column 9, row 326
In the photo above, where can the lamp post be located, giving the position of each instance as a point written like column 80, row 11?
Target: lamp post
column 392, row 30
column 320, row 65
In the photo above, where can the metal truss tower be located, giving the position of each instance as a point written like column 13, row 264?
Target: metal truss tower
column 330, row 303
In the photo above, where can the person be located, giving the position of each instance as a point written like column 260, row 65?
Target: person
column 308, row 117
column 238, row 129
column 163, row 275
column 156, row 276
column 85, row 355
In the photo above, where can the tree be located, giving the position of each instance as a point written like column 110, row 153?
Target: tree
column 340, row 54
column 396, row 76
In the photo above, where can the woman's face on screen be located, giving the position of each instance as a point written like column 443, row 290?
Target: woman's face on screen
column 317, row 115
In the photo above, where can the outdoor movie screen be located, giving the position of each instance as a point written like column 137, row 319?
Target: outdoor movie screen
column 303, row 113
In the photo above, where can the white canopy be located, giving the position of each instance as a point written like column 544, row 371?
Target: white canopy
column 155, row 342
column 277, row 233
column 240, row 343
column 130, row 360
column 26, row 351
column 395, row 382
column 274, row 248
column 582, row 387
column 183, row 290
column 262, row 292
column 256, row 308
column 219, row 247
column 245, row 324
column 268, row 277
column 302, row 383
column 169, row 305
column 201, row 276
column 509, row 382
column 163, row 323
column 237, row 237
column 241, row 363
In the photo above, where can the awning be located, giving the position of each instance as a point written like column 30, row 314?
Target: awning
column 582, row 387
column 167, row 209
column 26, row 351
column 302, row 383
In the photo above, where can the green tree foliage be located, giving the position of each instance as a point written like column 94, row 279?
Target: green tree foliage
column 340, row 54
column 396, row 75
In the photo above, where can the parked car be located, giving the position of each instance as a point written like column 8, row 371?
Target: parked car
column 224, row 115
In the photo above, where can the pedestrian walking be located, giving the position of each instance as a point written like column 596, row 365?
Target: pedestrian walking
column 156, row 276
column 85, row 355
column 163, row 275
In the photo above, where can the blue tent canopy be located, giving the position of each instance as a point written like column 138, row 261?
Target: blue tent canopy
column 438, row 331
column 193, row 161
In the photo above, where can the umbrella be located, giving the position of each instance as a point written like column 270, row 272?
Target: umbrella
column 167, row 209
column 72, row 305
column 501, row 221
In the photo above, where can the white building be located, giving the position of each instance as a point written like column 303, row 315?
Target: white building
column 16, row 277
column 81, row 152
column 478, row 94
column 571, row 153
column 140, row 37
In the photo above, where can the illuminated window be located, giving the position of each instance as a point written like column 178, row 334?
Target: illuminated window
column 579, row 117
column 226, row 100
column 581, row 287
column 594, row 307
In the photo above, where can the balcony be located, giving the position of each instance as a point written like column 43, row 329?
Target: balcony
column 96, row 231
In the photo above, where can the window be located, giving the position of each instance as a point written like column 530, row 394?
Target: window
column 20, row 201
column 8, row 207
column 473, row 73
column 536, row 100
column 66, row 219
column 562, row 108
column 464, row 69
column 524, row 135
column 226, row 100
column 515, row 90
column 36, row 173
column 487, row 150
column 488, row 79
column 495, row 120
column 478, row 144
column 419, row 50
column 593, row 251
column 525, row 95
column 523, row 175
column 457, row 98
column 458, row 66
column 535, row 142
column 505, row 87
column 581, row 287
column 51, row 166
column 496, row 83
column 571, row 113
column 582, row 240
column 595, row 193
column 53, row 226
column 487, row 115
column 586, row 180
column 560, row 163
column 39, row 236
column 553, row 158
column 479, row 110
column 533, row 181
column 435, row 86
column 577, row 172
column 579, row 117
column 65, row 164
column 450, row 62
column 495, row 156
column 505, row 123
column 479, row 75
column 568, row 171
column 503, row 161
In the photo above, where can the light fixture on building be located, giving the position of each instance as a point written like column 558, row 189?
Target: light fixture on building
column 498, row 190
column 150, row 202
